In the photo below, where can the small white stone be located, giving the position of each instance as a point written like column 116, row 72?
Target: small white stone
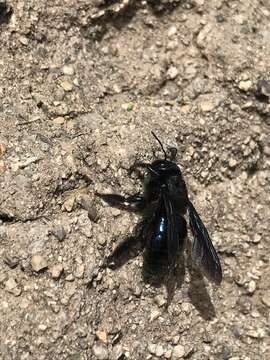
column 257, row 238
column 100, row 352
column 42, row 327
column 256, row 334
column 172, row 72
column 251, row 287
column 160, row 300
column 178, row 352
column 56, row 271
column 159, row 350
column 38, row 263
column 245, row 85
column 70, row 277
column 23, row 40
column 168, row 354
column 207, row 106
column 68, row 70
column 79, row 272
column 232, row 163
column 154, row 315
column 66, row 85
column 59, row 120
column 152, row 348
column 199, row 2
column 172, row 31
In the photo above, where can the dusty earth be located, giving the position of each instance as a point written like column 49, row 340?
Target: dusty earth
column 82, row 85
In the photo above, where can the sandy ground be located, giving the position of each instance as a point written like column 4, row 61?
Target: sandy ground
column 82, row 85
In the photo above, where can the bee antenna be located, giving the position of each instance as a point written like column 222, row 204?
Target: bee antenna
column 160, row 143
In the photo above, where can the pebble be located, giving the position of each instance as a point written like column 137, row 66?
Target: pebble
column 117, row 352
column 12, row 287
column 102, row 335
column 68, row 70
column 204, row 174
column 159, row 350
column 266, row 150
column 23, row 40
column 115, row 212
column 2, row 167
column 266, row 298
column 3, row 149
column 220, row 18
column 203, row 35
column 117, row 89
column 168, row 354
column 42, row 327
column 199, row 2
column 256, row 239
column 87, row 230
column 152, row 348
column 172, row 31
column 154, row 315
column 69, row 204
column 87, row 204
column 263, row 88
column 160, row 300
column 79, row 272
column 60, row 120
column 70, row 277
column 251, row 287
column 101, row 240
column 11, row 261
column 66, row 85
column 245, row 85
column 172, row 72
column 56, row 271
column 38, row 263
column 232, row 163
column 59, row 232
column 207, row 106
column 100, row 352
column 256, row 334
column 178, row 352
column 137, row 290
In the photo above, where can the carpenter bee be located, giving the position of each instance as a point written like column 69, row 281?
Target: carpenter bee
column 163, row 204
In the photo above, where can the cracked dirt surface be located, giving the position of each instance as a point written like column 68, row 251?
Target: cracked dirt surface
column 82, row 85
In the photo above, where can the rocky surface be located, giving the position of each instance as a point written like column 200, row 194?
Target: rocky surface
column 82, row 85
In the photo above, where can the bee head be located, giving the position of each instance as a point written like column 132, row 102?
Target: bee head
column 161, row 168
column 164, row 167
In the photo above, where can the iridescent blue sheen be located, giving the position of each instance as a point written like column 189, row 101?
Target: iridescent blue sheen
column 160, row 234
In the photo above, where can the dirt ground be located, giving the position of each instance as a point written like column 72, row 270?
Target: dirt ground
column 82, row 85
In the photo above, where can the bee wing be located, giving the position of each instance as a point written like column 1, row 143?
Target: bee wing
column 173, row 228
column 203, row 252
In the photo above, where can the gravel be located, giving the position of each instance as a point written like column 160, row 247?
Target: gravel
column 82, row 86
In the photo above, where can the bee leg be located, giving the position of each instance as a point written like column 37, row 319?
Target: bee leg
column 135, row 199
column 132, row 202
column 136, row 168
column 128, row 248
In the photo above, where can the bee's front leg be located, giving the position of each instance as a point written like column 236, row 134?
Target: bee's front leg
column 133, row 202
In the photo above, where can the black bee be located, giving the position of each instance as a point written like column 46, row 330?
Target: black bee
column 163, row 204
